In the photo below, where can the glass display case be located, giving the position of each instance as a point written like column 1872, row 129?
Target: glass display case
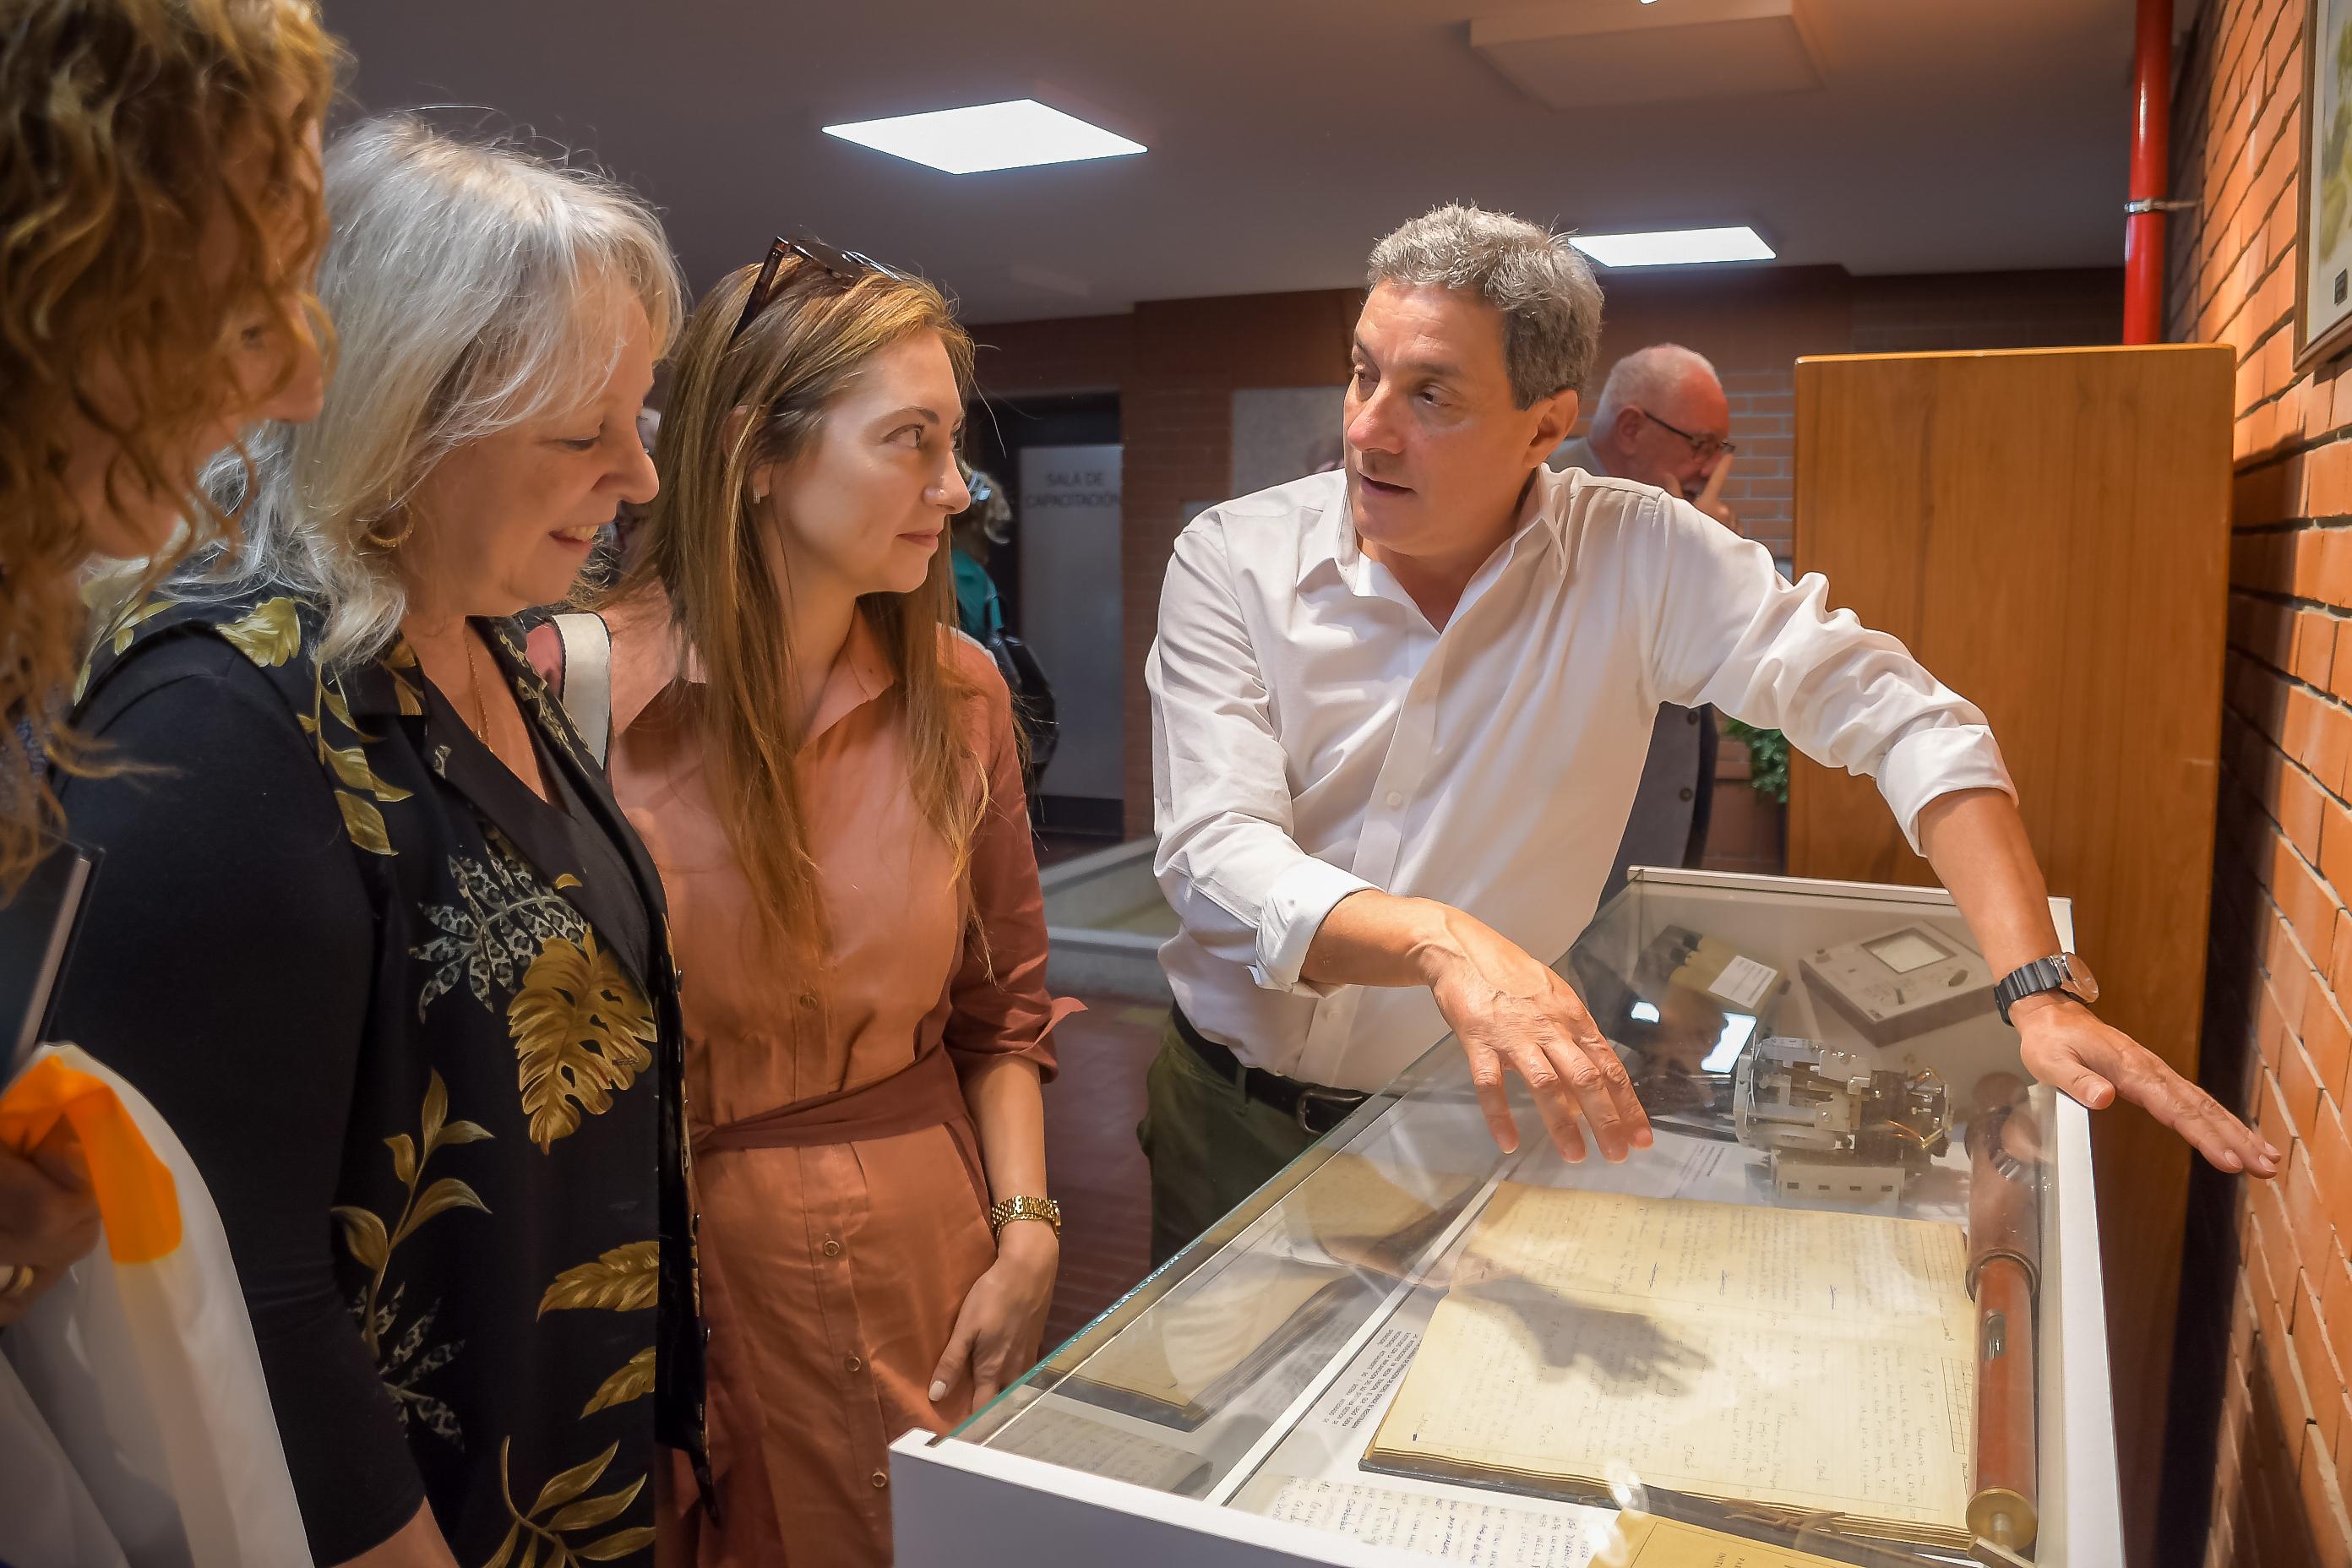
column 1845, row 1309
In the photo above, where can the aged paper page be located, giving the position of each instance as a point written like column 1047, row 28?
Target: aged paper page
column 1775, row 1359
column 1890, row 1278
column 1060, row 1436
column 1505, row 1535
column 1176, row 1352
column 1641, row 1541
column 1347, row 1214
column 1465, row 1529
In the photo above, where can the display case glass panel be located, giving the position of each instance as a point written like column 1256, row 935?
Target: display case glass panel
column 1813, row 1315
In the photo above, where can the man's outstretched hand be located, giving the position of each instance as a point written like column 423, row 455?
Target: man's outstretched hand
column 1513, row 1014
column 2067, row 1047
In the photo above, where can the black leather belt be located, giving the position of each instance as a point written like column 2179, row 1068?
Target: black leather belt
column 1315, row 1108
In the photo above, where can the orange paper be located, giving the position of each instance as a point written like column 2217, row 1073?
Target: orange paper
column 136, row 1196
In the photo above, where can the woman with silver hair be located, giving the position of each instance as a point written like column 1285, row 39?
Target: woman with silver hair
column 367, row 854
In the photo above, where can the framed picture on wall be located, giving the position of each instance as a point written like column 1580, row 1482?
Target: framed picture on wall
column 2322, row 293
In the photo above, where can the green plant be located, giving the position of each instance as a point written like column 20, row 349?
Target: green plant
column 1768, row 759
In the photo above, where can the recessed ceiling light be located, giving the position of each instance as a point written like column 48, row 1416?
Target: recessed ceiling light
column 1012, row 135
column 1674, row 247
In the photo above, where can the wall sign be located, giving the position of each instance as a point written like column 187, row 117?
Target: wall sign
column 2323, row 294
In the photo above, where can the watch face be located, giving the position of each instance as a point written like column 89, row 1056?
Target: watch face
column 2080, row 981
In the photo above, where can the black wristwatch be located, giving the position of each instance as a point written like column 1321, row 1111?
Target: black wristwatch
column 2060, row 972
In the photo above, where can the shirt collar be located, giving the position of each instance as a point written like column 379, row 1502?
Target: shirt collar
column 650, row 655
column 1333, row 542
column 860, row 673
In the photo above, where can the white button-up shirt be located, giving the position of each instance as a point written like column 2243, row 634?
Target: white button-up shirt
column 1313, row 735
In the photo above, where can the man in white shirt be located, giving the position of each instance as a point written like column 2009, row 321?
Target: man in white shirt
column 1398, row 716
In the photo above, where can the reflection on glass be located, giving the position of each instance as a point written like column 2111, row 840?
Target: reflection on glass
column 1771, row 1325
column 1906, row 951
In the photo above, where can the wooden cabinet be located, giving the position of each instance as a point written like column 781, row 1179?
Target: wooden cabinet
column 2048, row 529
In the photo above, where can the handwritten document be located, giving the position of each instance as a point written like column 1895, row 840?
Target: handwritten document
column 1455, row 1529
column 1344, row 1231
column 1816, row 1362
column 1499, row 1535
column 1178, row 1353
column 1061, row 1437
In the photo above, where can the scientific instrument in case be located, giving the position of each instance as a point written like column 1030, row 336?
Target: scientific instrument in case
column 1901, row 983
column 1680, row 1010
column 1834, row 1125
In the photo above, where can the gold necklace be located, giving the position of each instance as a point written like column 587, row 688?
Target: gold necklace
column 481, row 703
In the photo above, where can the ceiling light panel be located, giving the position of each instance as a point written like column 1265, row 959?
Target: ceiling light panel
column 1018, row 134
column 1674, row 247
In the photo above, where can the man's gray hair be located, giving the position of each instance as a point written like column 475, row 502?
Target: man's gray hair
column 1542, row 286
column 1647, row 377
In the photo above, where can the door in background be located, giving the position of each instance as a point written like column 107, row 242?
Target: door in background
column 1066, row 511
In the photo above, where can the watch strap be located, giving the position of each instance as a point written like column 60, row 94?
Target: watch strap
column 2030, row 980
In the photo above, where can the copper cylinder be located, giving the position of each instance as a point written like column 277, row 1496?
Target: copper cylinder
column 2004, row 1271
column 2004, row 1508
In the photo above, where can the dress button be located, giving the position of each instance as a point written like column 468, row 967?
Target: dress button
column 1687, row 792
column 808, row 999
column 1395, row 800
column 879, row 1480
column 832, row 1248
column 854, row 1364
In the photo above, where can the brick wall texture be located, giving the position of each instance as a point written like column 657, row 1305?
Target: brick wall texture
column 2260, row 1451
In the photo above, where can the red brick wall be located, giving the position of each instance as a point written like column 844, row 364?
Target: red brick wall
column 2261, row 1452
column 1177, row 362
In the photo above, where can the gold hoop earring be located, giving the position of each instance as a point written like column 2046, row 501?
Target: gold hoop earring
column 377, row 541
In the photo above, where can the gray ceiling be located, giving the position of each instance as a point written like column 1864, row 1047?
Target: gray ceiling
column 1285, row 134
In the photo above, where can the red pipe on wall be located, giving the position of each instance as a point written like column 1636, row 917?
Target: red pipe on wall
column 2152, row 160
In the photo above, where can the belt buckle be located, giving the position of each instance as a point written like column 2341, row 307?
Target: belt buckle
column 1338, row 1103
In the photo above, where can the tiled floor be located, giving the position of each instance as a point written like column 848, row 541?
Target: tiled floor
column 1092, row 1160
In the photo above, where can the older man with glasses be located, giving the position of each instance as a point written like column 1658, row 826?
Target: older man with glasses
column 1663, row 420
column 1398, row 716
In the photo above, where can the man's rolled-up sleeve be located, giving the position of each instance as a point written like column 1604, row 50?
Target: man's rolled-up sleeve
column 1228, row 861
column 1731, row 631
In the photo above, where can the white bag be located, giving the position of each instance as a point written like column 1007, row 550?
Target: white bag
column 132, row 1393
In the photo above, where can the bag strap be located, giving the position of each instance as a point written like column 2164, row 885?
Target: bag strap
column 587, row 692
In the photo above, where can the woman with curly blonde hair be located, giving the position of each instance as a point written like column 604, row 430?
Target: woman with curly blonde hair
column 160, row 214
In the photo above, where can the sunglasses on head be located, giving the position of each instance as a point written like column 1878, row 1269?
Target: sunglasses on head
column 844, row 267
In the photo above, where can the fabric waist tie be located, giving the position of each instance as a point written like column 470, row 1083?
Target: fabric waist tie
column 926, row 1092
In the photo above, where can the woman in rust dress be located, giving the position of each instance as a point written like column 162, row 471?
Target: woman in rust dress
column 827, row 776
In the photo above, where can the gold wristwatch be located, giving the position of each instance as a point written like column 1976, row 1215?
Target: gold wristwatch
column 1004, row 1213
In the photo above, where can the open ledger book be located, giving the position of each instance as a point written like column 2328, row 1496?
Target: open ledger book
column 1782, row 1363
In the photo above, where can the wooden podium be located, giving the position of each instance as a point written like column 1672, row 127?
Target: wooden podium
column 2048, row 530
